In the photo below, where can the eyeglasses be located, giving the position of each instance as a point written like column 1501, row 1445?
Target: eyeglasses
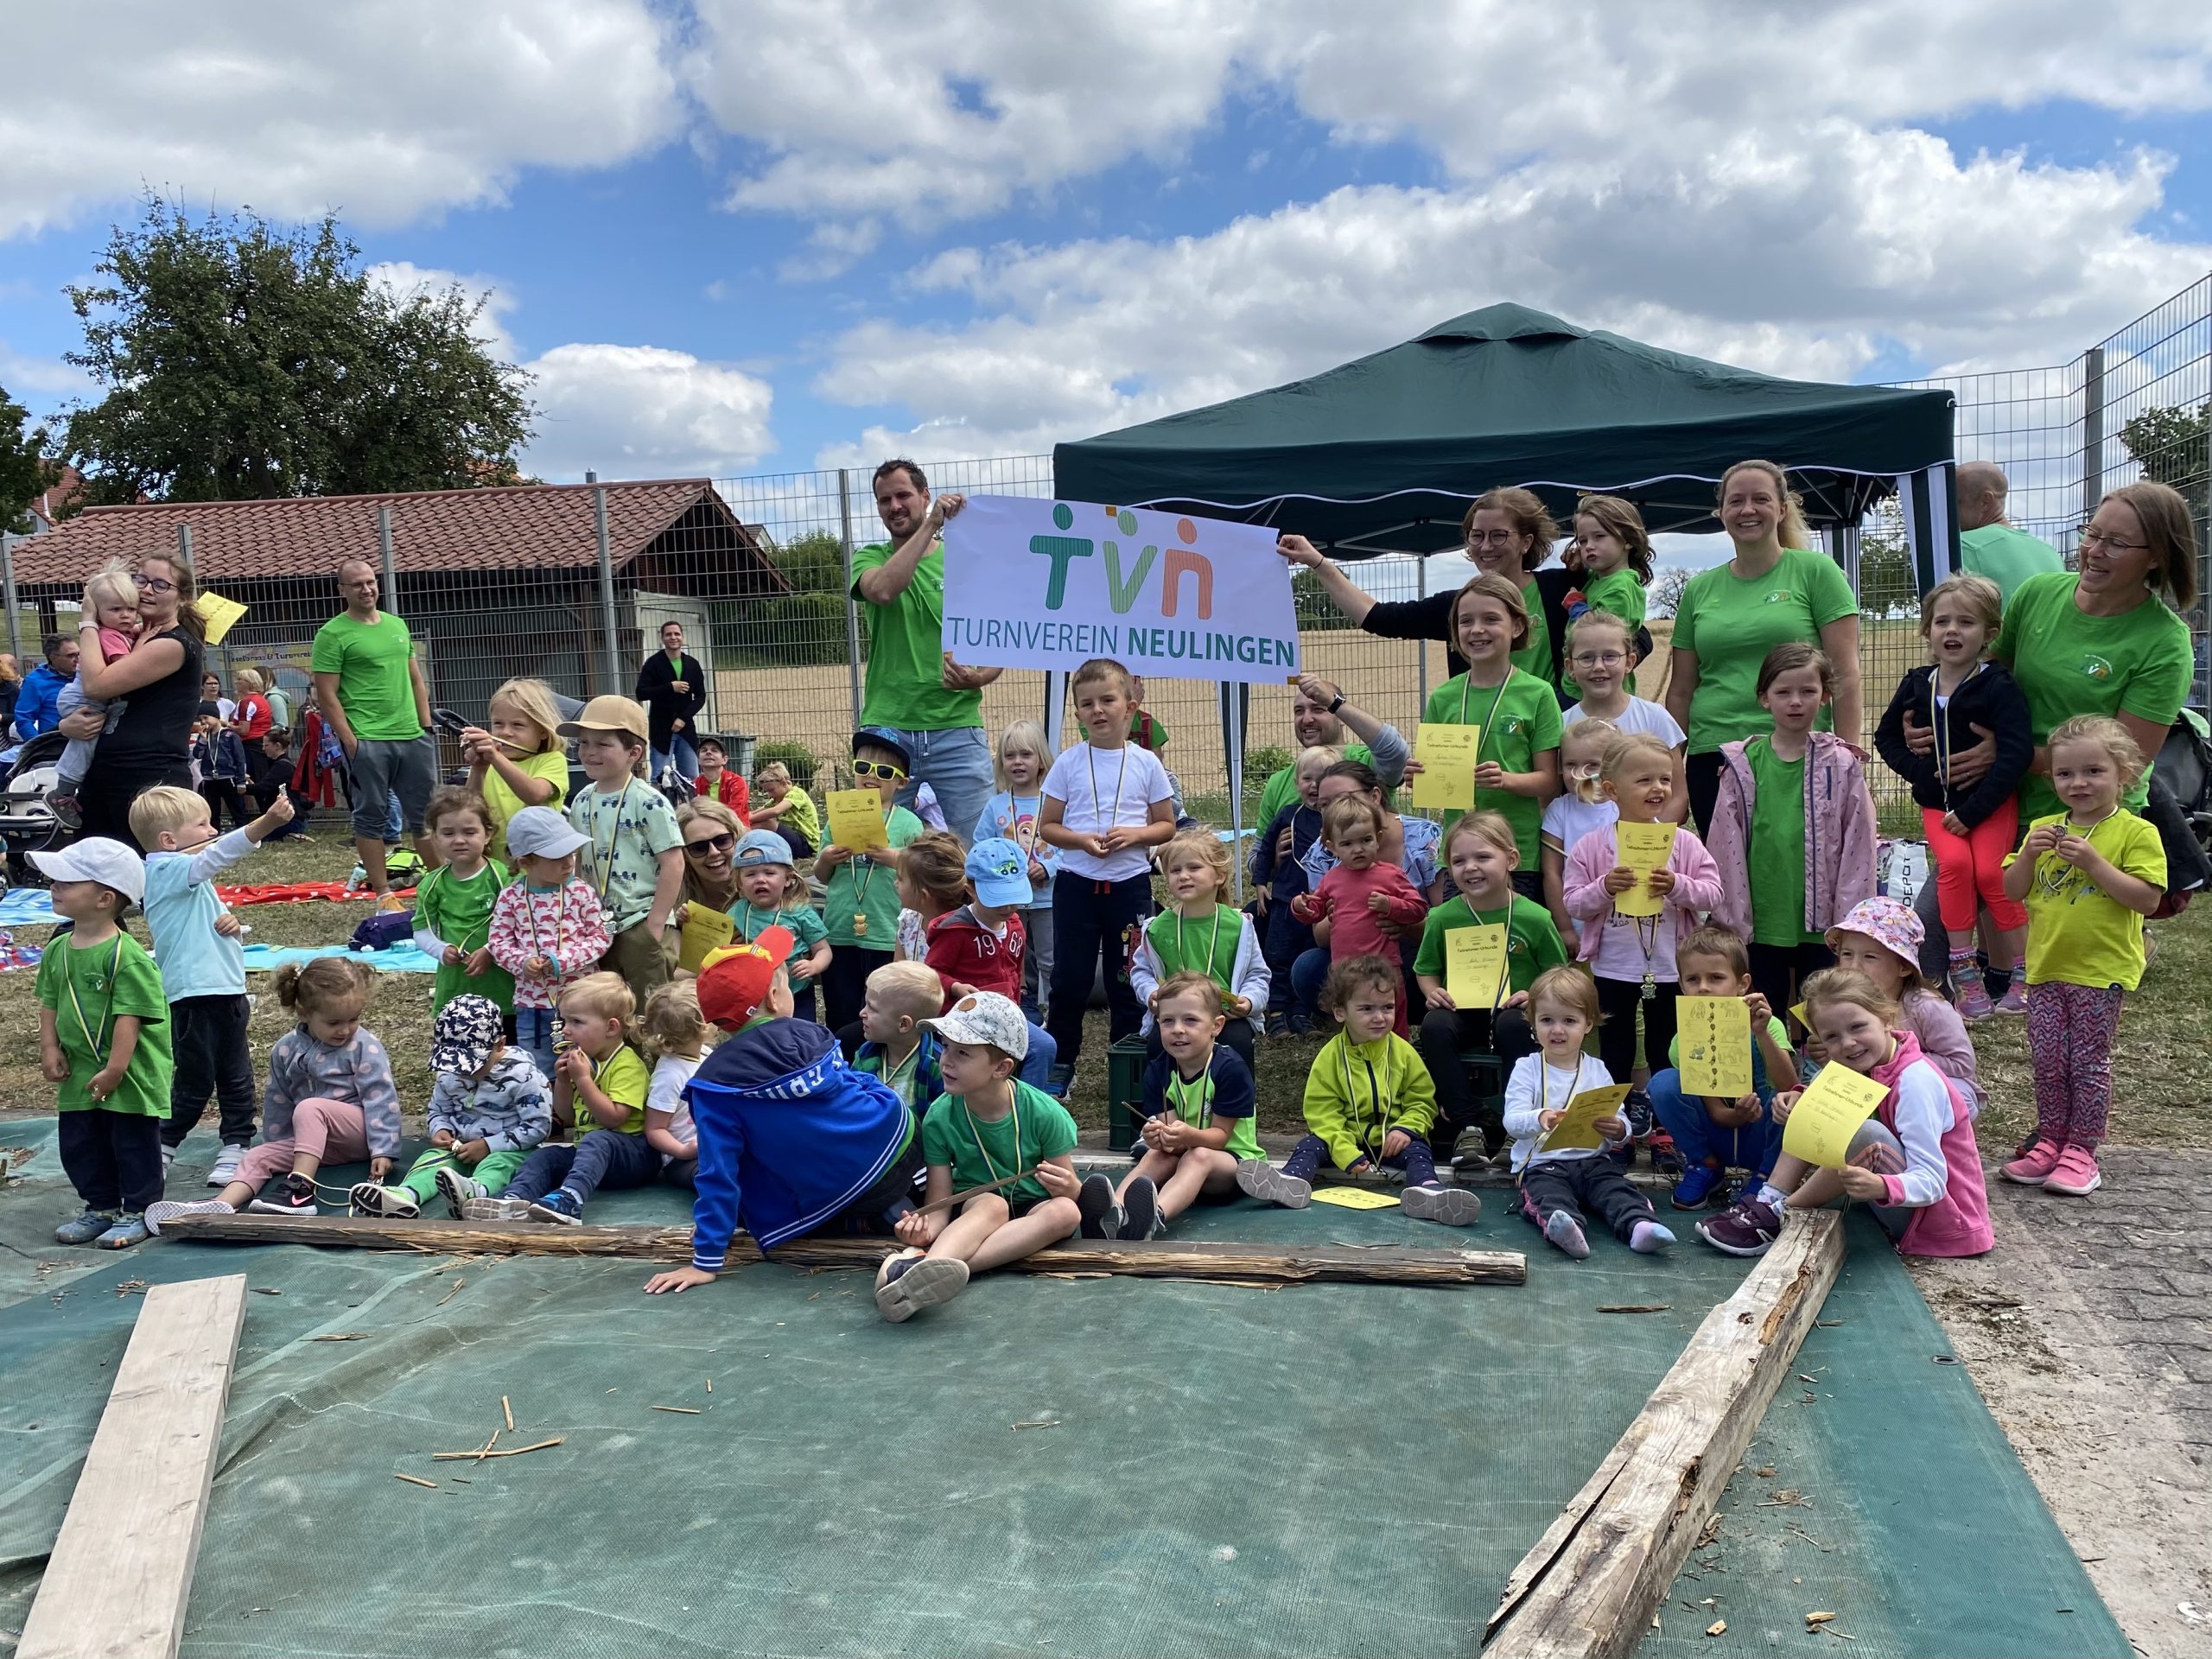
column 1597, row 658
column 154, row 584
column 1492, row 537
column 877, row 769
column 2098, row 539
column 721, row 843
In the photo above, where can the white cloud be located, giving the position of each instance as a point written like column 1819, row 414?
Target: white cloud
column 644, row 411
column 40, row 384
column 384, row 110
column 405, row 279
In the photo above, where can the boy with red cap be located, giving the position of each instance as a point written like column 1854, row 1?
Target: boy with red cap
column 792, row 1140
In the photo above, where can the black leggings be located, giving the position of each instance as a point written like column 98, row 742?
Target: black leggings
column 1091, row 919
column 1443, row 1034
column 844, row 985
column 1621, row 1000
column 1703, row 773
column 105, row 796
column 1778, row 972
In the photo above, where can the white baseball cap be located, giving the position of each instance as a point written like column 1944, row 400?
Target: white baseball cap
column 97, row 859
column 540, row 832
column 984, row 1017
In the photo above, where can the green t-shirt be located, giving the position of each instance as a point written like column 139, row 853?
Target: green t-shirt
column 2007, row 557
column 627, row 830
column 1732, row 622
column 374, row 687
column 459, row 912
column 89, row 988
column 2067, row 663
column 1617, row 594
column 1519, row 721
column 1282, row 786
column 803, row 921
column 861, row 886
column 906, row 651
column 1038, row 1127
column 1776, row 854
column 1532, row 943
column 1535, row 657
column 801, row 816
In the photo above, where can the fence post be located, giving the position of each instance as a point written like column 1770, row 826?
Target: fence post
column 384, row 560
column 852, row 610
column 607, row 589
column 2093, row 429
column 8, row 595
column 1420, row 565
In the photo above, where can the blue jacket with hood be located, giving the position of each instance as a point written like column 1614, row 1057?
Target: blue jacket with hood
column 789, row 1136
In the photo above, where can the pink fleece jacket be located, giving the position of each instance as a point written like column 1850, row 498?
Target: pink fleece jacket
column 1697, row 886
column 1941, row 1182
column 1840, row 835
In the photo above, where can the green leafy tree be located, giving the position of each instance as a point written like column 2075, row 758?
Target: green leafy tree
column 25, row 473
column 243, row 359
column 1316, row 610
column 2174, row 446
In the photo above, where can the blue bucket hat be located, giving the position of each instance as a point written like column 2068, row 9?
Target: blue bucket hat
column 759, row 847
column 1001, row 872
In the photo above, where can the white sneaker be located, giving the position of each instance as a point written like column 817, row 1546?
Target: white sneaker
column 169, row 1157
column 495, row 1210
column 373, row 1198
column 458, row 1189
column 168, row 1209
column 226, row 1168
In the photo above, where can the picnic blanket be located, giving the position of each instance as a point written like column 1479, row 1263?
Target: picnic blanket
column 34, row 907
column 397, row 959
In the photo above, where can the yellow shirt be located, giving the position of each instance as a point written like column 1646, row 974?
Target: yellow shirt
column 551, row 764
column 2078, row 934
column 626, row 1082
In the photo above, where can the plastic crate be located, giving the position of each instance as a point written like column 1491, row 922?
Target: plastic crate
column 1125, row 1064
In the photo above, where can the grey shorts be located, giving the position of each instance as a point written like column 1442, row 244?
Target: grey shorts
column 409, row 769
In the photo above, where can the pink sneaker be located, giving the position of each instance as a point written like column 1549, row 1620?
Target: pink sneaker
column 2077, row 1176
column 2015, row 999
column 2033, row 1167
column 1973, row 999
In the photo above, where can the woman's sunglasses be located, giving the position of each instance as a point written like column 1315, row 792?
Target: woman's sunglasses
column 877, row 769
column 721, row 843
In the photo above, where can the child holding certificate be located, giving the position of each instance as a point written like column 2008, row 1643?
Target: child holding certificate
column 1930, row 1200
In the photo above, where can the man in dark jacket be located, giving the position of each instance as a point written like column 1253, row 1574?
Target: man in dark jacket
column 673, row 687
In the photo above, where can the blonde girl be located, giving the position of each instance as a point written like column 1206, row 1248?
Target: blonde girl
column 331, row 1099
column 517, row 759
column 1582, row 805
column 1615, row 551
column 1199, row 933
column 1516, row 713
column 2088, row 876
column 781, row 805
column 1922, row 1177
column 601, row 1085
column 1018, row 766
column 1480, row 852
column 677, row 1031
column 1602, row 651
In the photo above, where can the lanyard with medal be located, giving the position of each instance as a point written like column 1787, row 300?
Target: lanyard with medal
column 976, row 1135
column 98, row 1045
column 1179, row 1097
column 1489, row 720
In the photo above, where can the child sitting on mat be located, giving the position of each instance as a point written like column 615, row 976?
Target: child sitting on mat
column 896, row 1045
column 678, row 1032
column 490, row 1107
column 1713, row 1135
column 1199, row 1104
column 600, row 1085
column 987, row 1127
column 1369, row 1100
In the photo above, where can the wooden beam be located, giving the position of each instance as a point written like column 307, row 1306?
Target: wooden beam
column 1153, row 1258
column 1590, row 1587
column 116, row 1586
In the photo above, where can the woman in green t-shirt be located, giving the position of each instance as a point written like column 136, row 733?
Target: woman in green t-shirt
column 1774, row 591
column 2099, row 642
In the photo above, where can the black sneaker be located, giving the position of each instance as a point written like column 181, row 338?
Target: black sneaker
column 1093, row 1201
column 297, row 1199
column 1139, row 1208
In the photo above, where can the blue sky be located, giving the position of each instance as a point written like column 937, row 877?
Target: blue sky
column 739, row 236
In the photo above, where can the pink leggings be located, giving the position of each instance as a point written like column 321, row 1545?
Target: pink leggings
column 1970, row 868
column 2071, row 1030
column 332, row 1130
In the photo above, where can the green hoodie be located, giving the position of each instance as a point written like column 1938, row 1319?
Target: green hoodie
column 1357, row 1093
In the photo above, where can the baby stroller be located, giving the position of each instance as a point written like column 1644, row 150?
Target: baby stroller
column 26, row 823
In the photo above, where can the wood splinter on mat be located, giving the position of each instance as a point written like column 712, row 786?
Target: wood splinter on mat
column 417, row 1480
column 508, row 1412
column 681, row 1411
column 1634, row 1307
column 1592, row 1584
column 479, row 1457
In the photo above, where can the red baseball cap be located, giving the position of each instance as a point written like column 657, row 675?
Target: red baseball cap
column 733, row 979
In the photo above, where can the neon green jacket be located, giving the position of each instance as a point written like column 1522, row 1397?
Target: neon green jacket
column 1357, row 1093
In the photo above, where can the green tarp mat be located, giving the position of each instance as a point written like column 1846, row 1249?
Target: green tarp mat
column 1046, row 1467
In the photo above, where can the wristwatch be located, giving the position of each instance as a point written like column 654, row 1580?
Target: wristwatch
column 1336, row 702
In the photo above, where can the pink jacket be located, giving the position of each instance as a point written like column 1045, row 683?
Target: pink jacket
column 1840, row 835
column 1591, row 859
column 1954, row 1219
column 565, row 925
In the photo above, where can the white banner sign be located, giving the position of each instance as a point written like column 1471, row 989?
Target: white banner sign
column 1049, row 584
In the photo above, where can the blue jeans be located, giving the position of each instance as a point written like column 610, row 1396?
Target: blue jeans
column 534, row 1036
column 957, row 764
column 606, row 1158
column 1037, row 1065
column 1697, row 1137
column 686, row 758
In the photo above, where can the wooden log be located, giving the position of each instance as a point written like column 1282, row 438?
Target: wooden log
column 1151, row 1258
column 1594, row 1580
column 121, row 1571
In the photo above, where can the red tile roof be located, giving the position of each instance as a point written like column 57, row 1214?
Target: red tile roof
column 520, row 527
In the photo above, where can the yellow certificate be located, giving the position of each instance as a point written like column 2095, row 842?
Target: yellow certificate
column 1579, row 1128
column 217, row 614
column 1642, row 848
column 1474, row 965
column 1715, row 1033
column 704, row 929
column 855, row 819
column 1828, row 1113
column 1355, row 1198
column 1448, row 756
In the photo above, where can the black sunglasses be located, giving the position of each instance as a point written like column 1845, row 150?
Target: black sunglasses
column 721, row 843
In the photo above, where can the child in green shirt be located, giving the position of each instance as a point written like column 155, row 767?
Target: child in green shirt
column 1616, row 553
column 860, row 904
column 103, row 1036
column 771, row 894
column 453, row 905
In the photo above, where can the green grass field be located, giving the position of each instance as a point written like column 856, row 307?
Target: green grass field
column 2160, row 1085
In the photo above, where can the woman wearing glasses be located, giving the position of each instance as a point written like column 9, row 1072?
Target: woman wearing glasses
column 1775, row 591
column 152, row 742
column 710, row 832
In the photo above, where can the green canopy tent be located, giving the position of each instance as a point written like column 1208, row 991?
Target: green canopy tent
column 1382, row 455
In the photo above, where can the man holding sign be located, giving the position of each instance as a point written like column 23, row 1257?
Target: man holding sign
column 1880, row 1124
column 930, row 705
